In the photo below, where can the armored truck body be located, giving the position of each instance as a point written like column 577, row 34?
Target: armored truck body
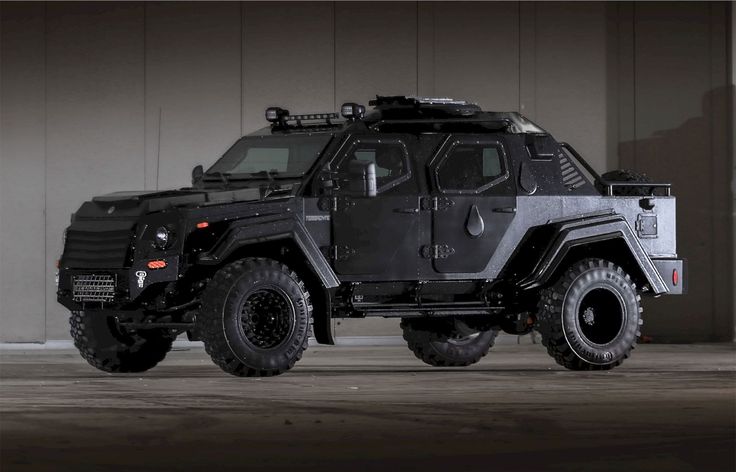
column 458, row 221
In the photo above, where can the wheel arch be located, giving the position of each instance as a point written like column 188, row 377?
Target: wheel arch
column 286, row 241
column 547, row 250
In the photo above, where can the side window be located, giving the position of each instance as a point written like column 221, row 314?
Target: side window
column 389, row 155
column 471, row 167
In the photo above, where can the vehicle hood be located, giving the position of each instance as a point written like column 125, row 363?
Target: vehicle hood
column 136, row 203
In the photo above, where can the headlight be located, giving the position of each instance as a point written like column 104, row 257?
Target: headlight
column 162, row 238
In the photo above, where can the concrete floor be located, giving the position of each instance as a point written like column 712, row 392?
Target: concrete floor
column 669, row 408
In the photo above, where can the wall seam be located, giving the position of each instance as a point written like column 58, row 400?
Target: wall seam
column 45, row 165
column 709, row 118
column 416, row 52
column 634, row 82
column 242, row 69
column 518, row 57
column 334, row 56
column 145, row 96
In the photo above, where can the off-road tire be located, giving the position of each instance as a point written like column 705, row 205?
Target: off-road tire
column 434, row 342
column 108, row 347
column 578, row 343
column 224, row 315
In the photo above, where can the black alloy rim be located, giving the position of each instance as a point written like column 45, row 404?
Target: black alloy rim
column 601, row 316
column 267, row 318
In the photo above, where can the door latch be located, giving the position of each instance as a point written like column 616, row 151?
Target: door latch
column 436, row 203
column 437, row 251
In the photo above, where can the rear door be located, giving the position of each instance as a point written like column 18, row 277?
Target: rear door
column 473, row 202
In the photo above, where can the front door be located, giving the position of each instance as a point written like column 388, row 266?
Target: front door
column 377, row 236
column 473, row 203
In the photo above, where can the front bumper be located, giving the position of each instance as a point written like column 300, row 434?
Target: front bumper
column 674, row 274
column 80, row 288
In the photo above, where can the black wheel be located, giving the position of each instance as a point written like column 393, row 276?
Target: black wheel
column 446, row 342
column 109, row 347
column 590, row 318
column 255, row 317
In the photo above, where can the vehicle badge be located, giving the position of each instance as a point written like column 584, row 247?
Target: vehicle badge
column 110, row 210
column 141, row 274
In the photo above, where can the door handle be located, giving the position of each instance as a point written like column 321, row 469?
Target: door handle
column 504, row 210
column 406, row 210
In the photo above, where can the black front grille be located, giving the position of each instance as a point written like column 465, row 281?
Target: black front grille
column 93, row 288
column 98, row 244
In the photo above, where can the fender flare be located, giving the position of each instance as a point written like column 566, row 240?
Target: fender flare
column 570, row 233
column 283, row 229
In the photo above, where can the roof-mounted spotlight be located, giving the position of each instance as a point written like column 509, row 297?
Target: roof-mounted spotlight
column 352, row 111
column 276, row 114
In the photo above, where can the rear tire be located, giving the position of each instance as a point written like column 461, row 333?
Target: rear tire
column 446, row 342
column 590, row 318
column 255, row 317
column 110, row 348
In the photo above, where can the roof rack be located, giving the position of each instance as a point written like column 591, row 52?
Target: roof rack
column 414, row 100
column 411, row 107
column 493, row 123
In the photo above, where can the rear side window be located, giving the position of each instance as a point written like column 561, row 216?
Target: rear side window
column 471, row 167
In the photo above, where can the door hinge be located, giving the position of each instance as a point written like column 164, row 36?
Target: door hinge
column 436, row 203
column 340, row 252
column 437, row 251
column 341, row 204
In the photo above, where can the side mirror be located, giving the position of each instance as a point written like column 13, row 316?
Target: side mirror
column 362, row 178
column 197, row 174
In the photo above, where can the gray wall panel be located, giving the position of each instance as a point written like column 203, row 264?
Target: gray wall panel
column 193, row 100
column 120, row 96
column 298, row 76
column 732, row 125
column 476, row 53
column 571, row 76
column 375, row 50
column 94, row 117
column 22, row 173
column 679, row 102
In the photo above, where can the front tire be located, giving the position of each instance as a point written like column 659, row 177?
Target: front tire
column 446, row 342
column 255, row 317
column 590, row 318
column 111, row 348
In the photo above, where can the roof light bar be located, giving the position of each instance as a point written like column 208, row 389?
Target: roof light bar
column 280, row 117
column 313, row 116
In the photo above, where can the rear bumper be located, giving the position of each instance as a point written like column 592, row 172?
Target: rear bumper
column 674, row 273
column 81, row 288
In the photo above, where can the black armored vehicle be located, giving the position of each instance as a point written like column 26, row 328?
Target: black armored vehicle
column 458, row 221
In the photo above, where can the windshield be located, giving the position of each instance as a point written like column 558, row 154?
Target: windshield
column 267, row 157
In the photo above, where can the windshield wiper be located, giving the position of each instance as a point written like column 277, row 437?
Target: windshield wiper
column 223, row 176
column 270, row 174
